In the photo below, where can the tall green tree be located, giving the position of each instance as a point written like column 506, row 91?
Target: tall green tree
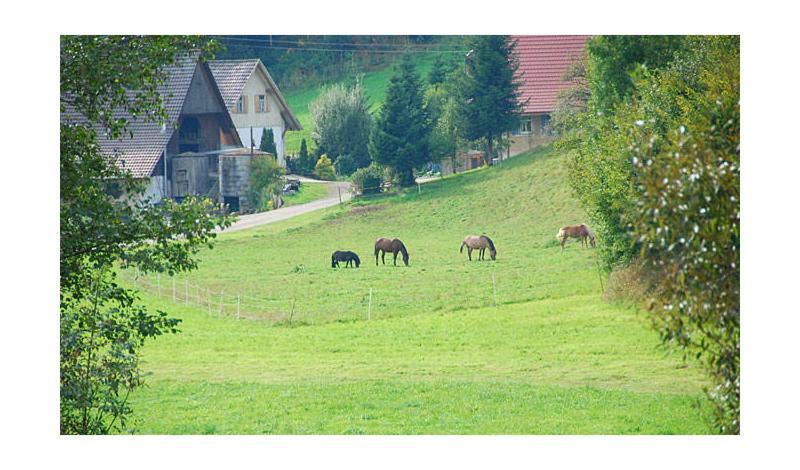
column 105, row 82
column 341, row 121
column 268, row 142
column 438, row 71
column 400, row 136
column 490, row 94
column 305, row 160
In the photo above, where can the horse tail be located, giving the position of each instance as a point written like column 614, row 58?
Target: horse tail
column 489, row 240
column 461, row 250
column 561, row 234
column 376, row 248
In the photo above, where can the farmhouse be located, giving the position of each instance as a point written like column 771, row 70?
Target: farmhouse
column 254, row 102
column 543, row 60
column 180, row 157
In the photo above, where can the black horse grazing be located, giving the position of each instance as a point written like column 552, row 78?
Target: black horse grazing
column 347, row 257
column 394, row 246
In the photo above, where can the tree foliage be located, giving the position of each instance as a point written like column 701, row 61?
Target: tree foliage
column 268, row 142
column 106, row 81
column 324, row 169
column 659, row 175
column 368, row 180
column 341, row 122
column 400, row 136
column 266, row 181
column 490, row 92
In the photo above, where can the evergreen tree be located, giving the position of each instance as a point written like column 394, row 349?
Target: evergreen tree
column 438, row 71
column 305, row 161
column 400, row 137
column 490, row 92
column 268, row 142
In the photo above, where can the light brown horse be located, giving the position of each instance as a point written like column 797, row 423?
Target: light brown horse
column 475, row 242
column 581, row 231
column 394, row 246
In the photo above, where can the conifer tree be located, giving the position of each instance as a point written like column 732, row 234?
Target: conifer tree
column 400, row 137
column 268, row 142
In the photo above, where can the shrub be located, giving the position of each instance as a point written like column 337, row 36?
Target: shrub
column 368, row 180
column 324, row 169
column 345, row 165
column 341, row 122
column 266, row 178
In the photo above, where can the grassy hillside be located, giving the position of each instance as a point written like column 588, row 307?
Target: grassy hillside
column 437, row 356
column 375, row 84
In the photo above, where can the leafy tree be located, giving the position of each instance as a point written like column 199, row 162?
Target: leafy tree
column 614, row 59
column 400, row 137
column 489, row 95
column 687, row 216
column 266, row 181
column 345, row 165
column 102, row 323
column 341, row 122
column 268, row 142
column 324, row 169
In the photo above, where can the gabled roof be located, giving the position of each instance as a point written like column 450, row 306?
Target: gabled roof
column 543, row 60
column 141, row 153
column 232, row 76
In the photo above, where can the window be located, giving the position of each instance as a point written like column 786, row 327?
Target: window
column 261, row 104
column 240, row 105
column 544, row 121
column 525, row 125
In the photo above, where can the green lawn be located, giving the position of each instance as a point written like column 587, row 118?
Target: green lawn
column 375, row 84
column 308, row 192
column 436, row 356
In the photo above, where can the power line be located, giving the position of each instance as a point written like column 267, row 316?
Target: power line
column 318, row 43
column 300, row 47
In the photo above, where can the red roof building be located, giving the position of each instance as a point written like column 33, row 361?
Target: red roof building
column 543, row 60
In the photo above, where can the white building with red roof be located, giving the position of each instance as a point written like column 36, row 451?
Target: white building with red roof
column 543, row 61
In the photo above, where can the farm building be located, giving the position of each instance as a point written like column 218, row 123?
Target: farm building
column 543, row 61
column 255, row 102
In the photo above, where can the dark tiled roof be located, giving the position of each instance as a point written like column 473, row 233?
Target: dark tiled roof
column 141, row 153
column 543, row 60
column 232, row 76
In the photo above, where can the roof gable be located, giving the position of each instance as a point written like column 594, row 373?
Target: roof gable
column 543, row 60
column 233, row 75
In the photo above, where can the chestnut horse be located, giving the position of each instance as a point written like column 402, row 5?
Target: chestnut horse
column 394, row 246
column 581, row 231
column 474, row 242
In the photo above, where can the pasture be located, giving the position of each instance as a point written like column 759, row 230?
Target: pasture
column 445, row 350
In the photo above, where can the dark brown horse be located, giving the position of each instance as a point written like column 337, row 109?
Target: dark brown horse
column 394, row 246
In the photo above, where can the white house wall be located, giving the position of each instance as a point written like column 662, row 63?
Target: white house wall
column 277, row 132
column 258, row 85
column 154, row 191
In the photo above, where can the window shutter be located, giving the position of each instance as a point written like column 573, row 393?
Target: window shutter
column 244, row 103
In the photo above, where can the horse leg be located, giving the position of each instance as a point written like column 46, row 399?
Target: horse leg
column 383, row 257
column 394, row 258
column 483, row 254
column 469, row 253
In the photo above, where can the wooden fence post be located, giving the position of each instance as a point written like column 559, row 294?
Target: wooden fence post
column 237, row 307
column 221, row 295
column 369, row 308
column 494, row 290
column 158, row 282
column 173, row 288
column 186, row 291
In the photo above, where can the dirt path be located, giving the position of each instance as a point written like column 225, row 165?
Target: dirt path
column 254, row 220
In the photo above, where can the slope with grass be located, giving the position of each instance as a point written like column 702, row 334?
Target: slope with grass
column 437, row 355
column 375, row 84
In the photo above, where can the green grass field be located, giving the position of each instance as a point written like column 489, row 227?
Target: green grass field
column 437, row 355
column 375, row 84
column 308, row 192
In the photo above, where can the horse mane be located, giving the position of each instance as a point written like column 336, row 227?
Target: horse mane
column 491, row 245
column 401, row 246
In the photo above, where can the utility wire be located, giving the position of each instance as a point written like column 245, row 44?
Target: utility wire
column 300, row 48
column 301, row 42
